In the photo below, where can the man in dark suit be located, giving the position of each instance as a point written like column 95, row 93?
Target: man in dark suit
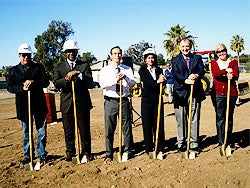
column 188, row 69
column 79, row 72
column 24, row 77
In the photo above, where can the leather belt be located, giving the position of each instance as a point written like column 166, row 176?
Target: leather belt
column 113, row 98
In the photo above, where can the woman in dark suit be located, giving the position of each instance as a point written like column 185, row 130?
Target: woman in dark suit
column 151, row 76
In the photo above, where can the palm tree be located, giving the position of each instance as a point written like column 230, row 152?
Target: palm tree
column 175, row 34
column 237, row 45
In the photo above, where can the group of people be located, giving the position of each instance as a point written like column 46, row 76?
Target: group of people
column 116, row 80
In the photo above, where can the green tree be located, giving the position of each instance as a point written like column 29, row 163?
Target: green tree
column 88, row 57
column 174, row 35
column 49, row 45
column 4, row 70
column 237, row 45
column 135, row 51
column 160, row 59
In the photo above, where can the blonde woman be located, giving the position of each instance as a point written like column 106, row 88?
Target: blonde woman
column 224, row 68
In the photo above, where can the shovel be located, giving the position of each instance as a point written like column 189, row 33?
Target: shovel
column 29, row 166
column 223, row 149
column 76, row 159
column 191, row 154
column 154, row 155
column 117, row 156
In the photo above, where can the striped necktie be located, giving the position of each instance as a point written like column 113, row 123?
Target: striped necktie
column 187, row 62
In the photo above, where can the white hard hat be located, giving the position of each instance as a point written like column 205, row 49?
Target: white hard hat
column 70, row 45
column 24, row 49
column 149, row 51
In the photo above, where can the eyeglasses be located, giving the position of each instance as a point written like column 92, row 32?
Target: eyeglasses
column 224, row 50
column 71, row 51
column 26, row 55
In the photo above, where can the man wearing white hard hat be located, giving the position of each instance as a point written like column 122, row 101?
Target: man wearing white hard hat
column 151, row 76
column 24, row 77
column 79, row 72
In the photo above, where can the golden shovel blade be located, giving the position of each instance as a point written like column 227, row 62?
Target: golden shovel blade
column 117, row 156
column 184, row 155
column 76, row 160
column 152, row 155
column 29, row 166
column 222, row 150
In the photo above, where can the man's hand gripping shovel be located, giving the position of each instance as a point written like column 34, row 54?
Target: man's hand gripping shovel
column 154, row 155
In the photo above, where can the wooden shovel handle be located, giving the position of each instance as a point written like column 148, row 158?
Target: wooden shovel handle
column 120, row 119
column 189, row 117
column 75, row 118
column 158, row 119
column 227, row 112
column 30, row 131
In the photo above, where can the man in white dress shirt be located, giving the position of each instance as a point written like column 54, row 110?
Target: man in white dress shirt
column 110, row 77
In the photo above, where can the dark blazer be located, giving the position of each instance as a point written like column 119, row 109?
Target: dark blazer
column 15, row 79
column 150, row 87
column 81, row 86
column 181, row 73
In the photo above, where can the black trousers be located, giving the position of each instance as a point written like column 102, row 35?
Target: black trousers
column 221, row 102
column 149, row 112
column 83, row 121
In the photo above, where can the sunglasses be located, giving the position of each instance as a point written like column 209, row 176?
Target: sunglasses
column 25, row 55
column 224, row 50
column 71, row 51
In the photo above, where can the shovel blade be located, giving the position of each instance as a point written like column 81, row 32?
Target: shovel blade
column 76, row 160
column 29, row 166
column 222, row 150
column 184, row 155
column 152, row 155
column 117, row 157
column 228, row 151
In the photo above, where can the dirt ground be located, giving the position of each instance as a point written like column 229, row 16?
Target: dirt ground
column 209, row 169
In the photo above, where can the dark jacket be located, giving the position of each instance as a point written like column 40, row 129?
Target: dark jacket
column 150, row 86
column 81, row 86
column 181, row 73
column 15, row 79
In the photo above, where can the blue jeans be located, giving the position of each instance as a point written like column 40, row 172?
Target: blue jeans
column 170, row 92
column 41, row 136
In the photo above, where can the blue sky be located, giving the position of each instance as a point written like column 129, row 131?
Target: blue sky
column 102, row 24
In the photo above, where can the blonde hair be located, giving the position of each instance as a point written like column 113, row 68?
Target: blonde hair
column 219, row 46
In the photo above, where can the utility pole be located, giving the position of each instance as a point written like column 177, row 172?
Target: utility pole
column 194, row 42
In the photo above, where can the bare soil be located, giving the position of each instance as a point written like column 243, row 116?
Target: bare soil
column 209, row 169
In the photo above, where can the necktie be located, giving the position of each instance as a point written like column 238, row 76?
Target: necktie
column 187, row 61
column 118, row 83
column 71, row 65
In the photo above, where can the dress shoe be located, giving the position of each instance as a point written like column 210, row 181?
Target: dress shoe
column 68, row 158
